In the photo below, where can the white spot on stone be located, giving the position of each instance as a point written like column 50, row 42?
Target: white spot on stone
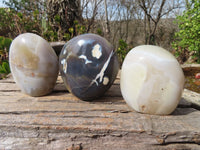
column 105, row 80
column 85, row 58
column 96, row 51
column 64, row 63
column 101, row 73
column 81, row 42
column 65, row 51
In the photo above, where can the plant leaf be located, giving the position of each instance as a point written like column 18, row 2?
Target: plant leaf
column 5, row 66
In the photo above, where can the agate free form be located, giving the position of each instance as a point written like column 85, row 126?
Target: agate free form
column 88, row 66
column 34, row 64
column 151, row 80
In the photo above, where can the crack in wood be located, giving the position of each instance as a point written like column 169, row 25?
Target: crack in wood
column 179, row 138
column 43, row 112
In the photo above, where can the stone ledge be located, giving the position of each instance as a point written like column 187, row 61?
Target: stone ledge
column 190, row 69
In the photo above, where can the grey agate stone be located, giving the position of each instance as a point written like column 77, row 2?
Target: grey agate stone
column 34, row 64
column 88, row 66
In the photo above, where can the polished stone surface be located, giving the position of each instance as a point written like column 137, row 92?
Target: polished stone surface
column 151, row 80
column 88, row 65
column 34, row 64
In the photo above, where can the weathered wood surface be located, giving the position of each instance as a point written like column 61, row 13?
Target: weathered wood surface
column 60, row 121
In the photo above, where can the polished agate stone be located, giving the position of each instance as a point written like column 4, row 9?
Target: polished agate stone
column 88, row 66
column 151, row 80
column 34, row 64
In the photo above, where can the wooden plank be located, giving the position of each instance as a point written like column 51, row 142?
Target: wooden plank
column 62, row 121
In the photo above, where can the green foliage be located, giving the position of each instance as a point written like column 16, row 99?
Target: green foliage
column 74, row 31
column 50, row 34
column 22, row 16
column 4, row 48
column 122, row 50
column 99, row 31
column 30, row 16
column 57, row 18
column 6, row 20
column 5, row 44
column 188, row 37
column 4, row 68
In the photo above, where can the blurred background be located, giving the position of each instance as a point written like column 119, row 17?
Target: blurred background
column 171, row 24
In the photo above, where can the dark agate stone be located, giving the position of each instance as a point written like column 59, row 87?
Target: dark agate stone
column 88, row 66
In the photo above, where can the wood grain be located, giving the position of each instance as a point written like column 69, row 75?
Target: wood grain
column 62, row 121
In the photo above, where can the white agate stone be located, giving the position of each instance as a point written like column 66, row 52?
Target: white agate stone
column 151, row 80
column 34, row 64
